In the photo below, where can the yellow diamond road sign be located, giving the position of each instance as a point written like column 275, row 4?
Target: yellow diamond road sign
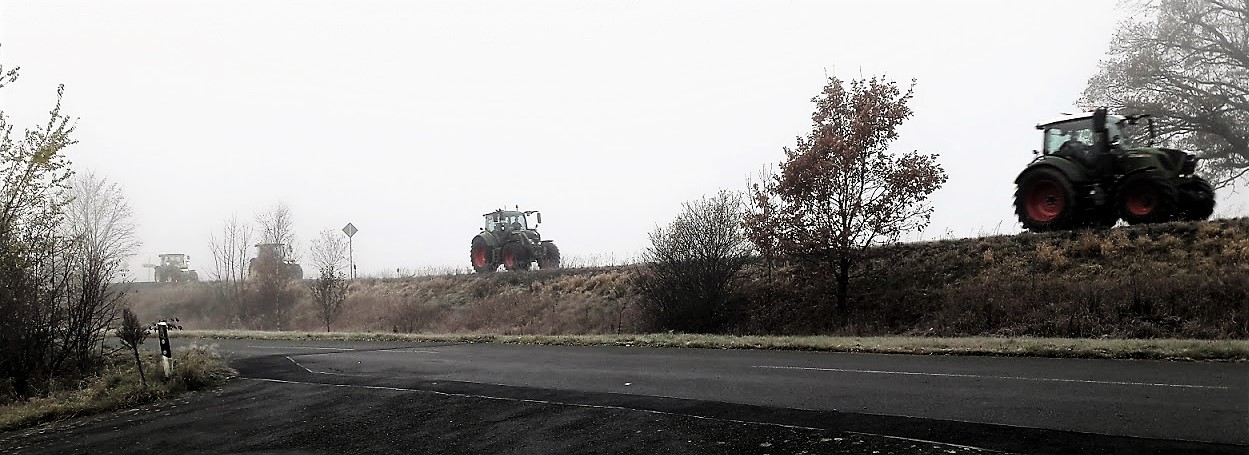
column 350, row 230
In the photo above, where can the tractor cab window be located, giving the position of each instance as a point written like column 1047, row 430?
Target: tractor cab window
column 1072, row 135
column 514, row 221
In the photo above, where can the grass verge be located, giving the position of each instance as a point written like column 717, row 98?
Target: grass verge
column 118, row 387
column 1169, row 349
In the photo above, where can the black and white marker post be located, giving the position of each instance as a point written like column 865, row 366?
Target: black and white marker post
column 166, row 353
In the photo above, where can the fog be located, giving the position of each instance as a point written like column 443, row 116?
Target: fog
column 411, row 119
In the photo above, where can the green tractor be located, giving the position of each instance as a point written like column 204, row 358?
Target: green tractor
column 508, row 239
column 1096, row 168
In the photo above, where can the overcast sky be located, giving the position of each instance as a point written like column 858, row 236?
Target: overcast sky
column 411, row 119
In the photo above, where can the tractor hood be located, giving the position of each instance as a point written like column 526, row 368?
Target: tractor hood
column 1176, row 160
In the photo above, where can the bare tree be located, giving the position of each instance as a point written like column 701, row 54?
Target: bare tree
column 270, row 296
column 230, row 249
column 100, row 226
column 329, row 290
column 693, row 264
column 840, row 190
column 131, row 333
column 1186, row 61
column 277, row 225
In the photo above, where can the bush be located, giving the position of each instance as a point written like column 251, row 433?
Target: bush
column 118, row 386
column 690, row 280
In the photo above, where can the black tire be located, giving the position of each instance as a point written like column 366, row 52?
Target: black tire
column 1045, row 200
column 479, row 255
column 1142, row 198
column 516, row 257
column 550, row 256
column 1196, row 199
column 1103, row 217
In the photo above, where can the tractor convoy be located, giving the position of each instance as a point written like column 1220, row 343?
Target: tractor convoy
column 1097, row 168
column 1093, row 170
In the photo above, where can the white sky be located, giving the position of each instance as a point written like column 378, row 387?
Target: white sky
column 411, row 119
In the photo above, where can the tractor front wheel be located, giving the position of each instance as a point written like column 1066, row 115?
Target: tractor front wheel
column 1045, row 201
column 480, row 256
column 550, row 256
column 1145, row 199
column 1196, row 199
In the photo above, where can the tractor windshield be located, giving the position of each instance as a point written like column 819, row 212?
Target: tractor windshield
column 506, row 220
column 1074, row 133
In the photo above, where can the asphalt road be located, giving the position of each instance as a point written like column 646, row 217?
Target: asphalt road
column 326, row 397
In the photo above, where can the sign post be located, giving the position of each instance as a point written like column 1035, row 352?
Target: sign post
column 166, row 353
column 350, row 230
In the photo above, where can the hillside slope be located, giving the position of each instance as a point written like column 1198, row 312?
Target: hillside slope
column 1170, row 280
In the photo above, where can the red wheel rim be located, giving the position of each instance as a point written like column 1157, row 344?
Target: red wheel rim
column 479, row 257
column 1141, row 201
column 1045, row 200
column 509, row 258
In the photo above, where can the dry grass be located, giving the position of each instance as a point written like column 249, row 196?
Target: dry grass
column 1023, row 346
column 195, row 367
column 1175, row 280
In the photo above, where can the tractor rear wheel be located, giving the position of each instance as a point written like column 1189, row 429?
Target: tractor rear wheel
column 1196, row 199
column 1145, row 199
column 480, row 256
column 1045, row 200
column 515, row 257
column 550, row 256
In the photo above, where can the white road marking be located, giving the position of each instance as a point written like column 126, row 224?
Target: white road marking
column 416, row 351
column 618, row 408
column 302, row 347
column 977, row 376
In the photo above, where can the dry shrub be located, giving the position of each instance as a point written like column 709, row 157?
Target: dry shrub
column 1171, row 280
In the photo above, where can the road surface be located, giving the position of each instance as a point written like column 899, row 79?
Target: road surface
column 323, row 397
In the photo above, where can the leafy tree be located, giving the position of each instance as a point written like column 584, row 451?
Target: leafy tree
column 34, row 264
column 329, row 290
column 840, row 190
column 1187, row 62
column 693, row 264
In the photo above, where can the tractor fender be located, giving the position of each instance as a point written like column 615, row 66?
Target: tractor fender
column 1072, row 171
column 490, row 238
column 1158, row 173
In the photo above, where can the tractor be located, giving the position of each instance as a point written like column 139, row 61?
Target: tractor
column 508, row 239
column 1097, row 168
column 272, row 258
column 174, row 268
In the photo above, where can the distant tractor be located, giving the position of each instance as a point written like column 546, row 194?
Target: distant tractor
column 1095, row 169
column 173, row 268
column 509, row 240
column 274, row 258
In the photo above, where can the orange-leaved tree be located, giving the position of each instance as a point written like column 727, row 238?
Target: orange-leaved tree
column 840, row 190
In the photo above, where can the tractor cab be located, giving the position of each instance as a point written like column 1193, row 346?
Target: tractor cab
column 277, row 251
column 501, row 220
column 174, row 260
column 1077, row 132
